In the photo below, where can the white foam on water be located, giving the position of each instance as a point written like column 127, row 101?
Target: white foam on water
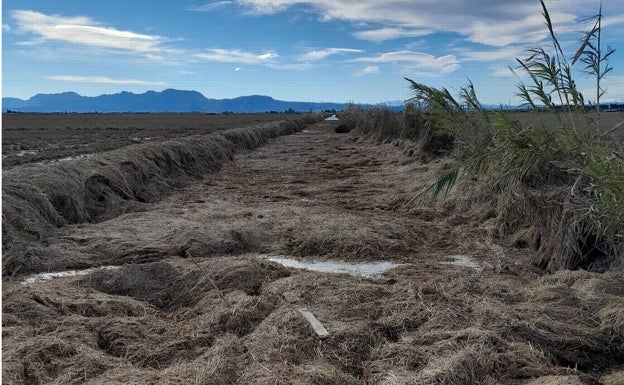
column 463, row 261
column 365, row 269
column 60, row 274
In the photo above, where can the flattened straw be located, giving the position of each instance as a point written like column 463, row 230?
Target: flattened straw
column 189, row 255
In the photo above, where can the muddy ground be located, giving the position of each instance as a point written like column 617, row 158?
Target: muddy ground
column 28, row 138
column 191, row 302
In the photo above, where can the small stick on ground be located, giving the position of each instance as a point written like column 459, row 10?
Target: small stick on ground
column 190, row 256
column 318, row 328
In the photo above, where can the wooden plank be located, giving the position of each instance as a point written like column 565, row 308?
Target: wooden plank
column 318, row 328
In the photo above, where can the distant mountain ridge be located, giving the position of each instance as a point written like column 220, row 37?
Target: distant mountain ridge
column 169, row 100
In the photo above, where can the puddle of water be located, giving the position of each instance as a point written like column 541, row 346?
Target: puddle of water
column 463, row 261
column 74, row 157
column 59, row 274
column 365, row 269
column 21, row 153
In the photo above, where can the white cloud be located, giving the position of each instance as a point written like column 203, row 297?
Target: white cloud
column 103, row 80
column 528, row 29
column 209, row 7
column 504, row 72
column 237, row 56
column 444, row 64
column 84, row 31
column 322, row 54
column 154, row 58
column 509, row 53
column 368, row 70
column 290, row 66
column 268, row 56
column 612, row 20
column 237, row 69
column 480, row 21
column 388, row 33
column 263, row 7
column 6, row 28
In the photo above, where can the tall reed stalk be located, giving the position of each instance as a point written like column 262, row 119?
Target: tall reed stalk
column 568, row 181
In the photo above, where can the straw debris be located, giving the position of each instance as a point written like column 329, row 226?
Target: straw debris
column 37, row 199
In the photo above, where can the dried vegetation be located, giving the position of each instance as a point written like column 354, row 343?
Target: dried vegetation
column 37, row 199
column 563, row 182
column 214, row 316
column 190, row 302
column 116, row 327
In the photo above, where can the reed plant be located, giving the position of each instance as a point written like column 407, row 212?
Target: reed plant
column 567, row 180
column 379, row 122
column 383, row 124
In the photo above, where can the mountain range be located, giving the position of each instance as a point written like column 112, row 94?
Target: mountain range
column 169, row 100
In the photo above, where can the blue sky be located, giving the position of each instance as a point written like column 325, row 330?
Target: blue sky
column 303, row 50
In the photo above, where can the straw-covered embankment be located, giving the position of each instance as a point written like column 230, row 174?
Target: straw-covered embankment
column 190, row 302
column 37, row 199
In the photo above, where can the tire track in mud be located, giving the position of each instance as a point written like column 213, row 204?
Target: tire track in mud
column 316, row 194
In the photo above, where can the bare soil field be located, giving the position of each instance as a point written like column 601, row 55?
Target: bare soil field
column 186, row 298
column 30, row 138
column 607, row 120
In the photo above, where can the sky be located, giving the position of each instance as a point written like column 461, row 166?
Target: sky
column 298, row 50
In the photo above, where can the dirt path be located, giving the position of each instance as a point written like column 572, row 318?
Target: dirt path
column 315, row 195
